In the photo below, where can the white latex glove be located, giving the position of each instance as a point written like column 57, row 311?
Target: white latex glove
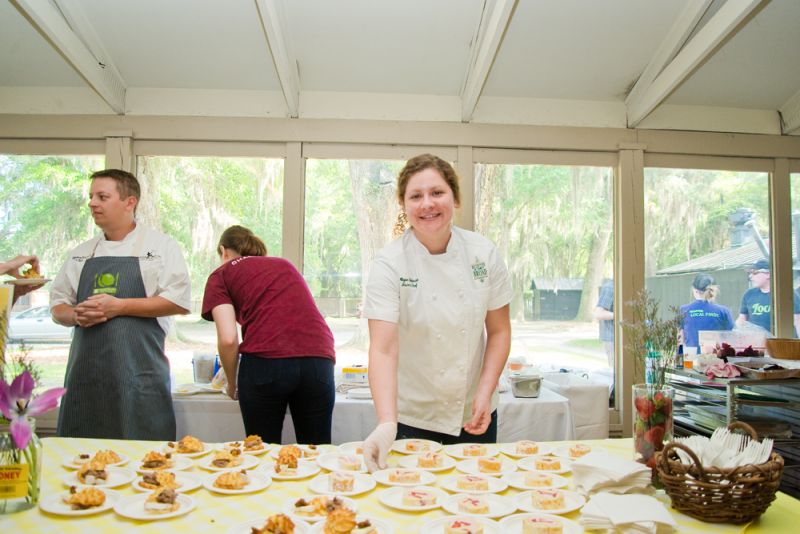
column 377, row 446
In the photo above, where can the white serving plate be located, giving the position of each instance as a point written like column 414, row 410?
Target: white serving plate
column 529, row 464
column 517, row 480
column 410, row 462
column 258, row 482
column 362, row 484
column 498, row 505
column 288, row 507
column 471, row 467
column 572, row 501
column 188, row 482
column 382, row 477
column 393, row 498
column 70, row 464
column 436, row 525
column 248, row 462
column 401, row 445
column 54, row 504
column 510, row 449
column 330, row 461
column 305, row 469
column 229, row 445
column 513, row 524
column 496, row 485
column 180, row 464
column 457, row 450
column 117, row 476
column 132, row 507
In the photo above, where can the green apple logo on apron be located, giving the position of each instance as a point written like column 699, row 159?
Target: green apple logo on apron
column 105, row 283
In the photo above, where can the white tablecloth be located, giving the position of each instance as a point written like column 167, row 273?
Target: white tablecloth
column 215, row 418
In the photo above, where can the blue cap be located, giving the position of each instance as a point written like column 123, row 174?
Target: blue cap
column 761, row 265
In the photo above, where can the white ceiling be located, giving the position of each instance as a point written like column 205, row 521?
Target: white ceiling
column 568, row 62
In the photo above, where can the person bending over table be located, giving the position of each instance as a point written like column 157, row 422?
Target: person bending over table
column 118, row 289
column 287, row 353
column 703, row 313
column 11, row 268
column 439, row 331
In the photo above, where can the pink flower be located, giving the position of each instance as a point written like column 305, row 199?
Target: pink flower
column 17, row 403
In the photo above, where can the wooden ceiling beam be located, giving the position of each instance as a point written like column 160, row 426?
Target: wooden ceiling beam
column 494, row 22
column 101, row 77
column 721, row 26
column 285, row 62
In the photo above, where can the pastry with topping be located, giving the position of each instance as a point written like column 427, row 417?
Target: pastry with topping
column 527, row 447
column 430, row 459
column 548, row 463
column 156, row 460
column 107, row 457
column 187, row 445
column 93, row 473
column 232, row 480
column 474, row 504
column 341, row 481
column 417, row 445
column 578, row 450
column 538, row 480
column 472, row 483
column 226, row 459
column 418, row 497
column 404, row 476
column 343, row 521
column 276, row 524
column 489, row 465
column 349, row 463
column 159, row 479
column 287, row 463
column 475, row 449
column 292, row 450
column 463, row 526
column 541, row 525
column 162, row 501
column 84, row 499
column 253, row 443
column 318, row 506
column 546, row 499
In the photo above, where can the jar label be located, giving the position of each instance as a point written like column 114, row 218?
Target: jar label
column 13, row 481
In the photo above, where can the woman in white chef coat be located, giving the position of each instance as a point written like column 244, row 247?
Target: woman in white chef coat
column 437, row 304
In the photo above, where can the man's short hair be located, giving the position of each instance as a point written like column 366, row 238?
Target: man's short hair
column 127, row 184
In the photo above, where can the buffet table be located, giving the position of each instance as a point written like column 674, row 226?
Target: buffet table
column 216, row 514
column 215, row 417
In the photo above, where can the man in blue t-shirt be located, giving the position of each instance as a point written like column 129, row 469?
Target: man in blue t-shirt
column 604, row 313
column 756, row 305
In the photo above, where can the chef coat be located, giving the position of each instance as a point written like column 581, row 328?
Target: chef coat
column 161, row 262
column 439, row 302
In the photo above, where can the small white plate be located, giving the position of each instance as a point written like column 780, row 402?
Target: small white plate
column 289, row 509
column 498, row 506
column 457, row 450
column 54, row 504
column 563, row 452
column 70, row 464
column 517, row 480
column 206, row 449
column 188, row 482
column 513, row 524
column 572, row 502
column 510, row 449
column 381, row 526
column 393, row 498
column 308, row 453
column 437, row 525
column 179, row 464
column 26, row 281
column 529, row 464
column 361, row 484
column 248, row 462
column 228, row 445
column 410, row 462
column 330, row 461
column 471, row 467
column 258, row 482
column 246, row 527
column 496, row 485
column 401, row 446
column 304, row 470
column 382, row 476
column 351, row 447
column 133, row 507
column 117, row 476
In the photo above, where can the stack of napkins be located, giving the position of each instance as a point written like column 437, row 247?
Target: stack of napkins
column 627, row 513
column 598, row 471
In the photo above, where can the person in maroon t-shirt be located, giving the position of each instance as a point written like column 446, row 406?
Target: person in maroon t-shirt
column 287, row 355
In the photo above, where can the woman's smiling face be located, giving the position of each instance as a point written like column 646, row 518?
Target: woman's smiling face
column 429, row 203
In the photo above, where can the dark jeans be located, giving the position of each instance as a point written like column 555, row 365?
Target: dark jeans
column 411, row 432
column 267, row 385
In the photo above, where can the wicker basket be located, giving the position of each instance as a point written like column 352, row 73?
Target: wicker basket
column 716, row 495
column 783, row 348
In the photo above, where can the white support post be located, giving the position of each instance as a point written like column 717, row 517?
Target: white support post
column 285, row 62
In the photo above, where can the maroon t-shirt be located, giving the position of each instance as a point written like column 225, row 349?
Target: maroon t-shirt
column 273, row 304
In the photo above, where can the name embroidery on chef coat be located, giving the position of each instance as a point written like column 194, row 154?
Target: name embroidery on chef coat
column 409, row 282
column 479, row 271
column 105, row 283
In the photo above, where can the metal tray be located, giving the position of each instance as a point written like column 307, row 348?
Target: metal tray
column 750, row 370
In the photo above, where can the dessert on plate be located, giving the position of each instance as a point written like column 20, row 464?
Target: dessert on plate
column 338, row 481
column 527, row 447
column 162, row 501
column 276, row 524
column 286, row 464
column 537, row 480
column 463, row 526
column 253, row 443
column 309, row 451
column 404, row 476
column 225, row 459
column 472, row 482
column 349, row 463
column 548, row 463
column 187, row 445
column 541, row 525
column 93, row 473
column 232, row 480
column 489, row 465
column 343, row 521
column 418, row 497
column 546, row 499
column 156, row 460
column 417, row 445
column 107, row 457
column 84, row 499
column 473, row 504
column 430, row 459
column 318, row 506
column 475, row 449
column 81, row 458
column 159, row 479
column 578, row 450
column 290, row 450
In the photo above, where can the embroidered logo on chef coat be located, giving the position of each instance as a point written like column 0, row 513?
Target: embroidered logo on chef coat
column 105, row 283
column 150, row 256
column 409, row 282
column 479, row 271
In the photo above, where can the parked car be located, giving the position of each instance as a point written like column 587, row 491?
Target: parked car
column 36, row 324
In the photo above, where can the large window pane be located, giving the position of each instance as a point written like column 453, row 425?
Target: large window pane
column 193, row 199
column 43, row 212
column 351, row 208
column 713, row 223
column 795, row 185
column 553, row 224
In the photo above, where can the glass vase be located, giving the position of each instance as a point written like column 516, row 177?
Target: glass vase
column 652, row 421
column 20, row 472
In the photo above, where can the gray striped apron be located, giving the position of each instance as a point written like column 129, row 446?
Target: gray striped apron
column 117, row 376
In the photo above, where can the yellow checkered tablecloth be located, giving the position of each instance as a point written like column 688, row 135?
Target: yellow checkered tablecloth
column 216, row 513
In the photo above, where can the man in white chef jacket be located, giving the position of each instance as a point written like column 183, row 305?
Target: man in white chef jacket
column 118, row 290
